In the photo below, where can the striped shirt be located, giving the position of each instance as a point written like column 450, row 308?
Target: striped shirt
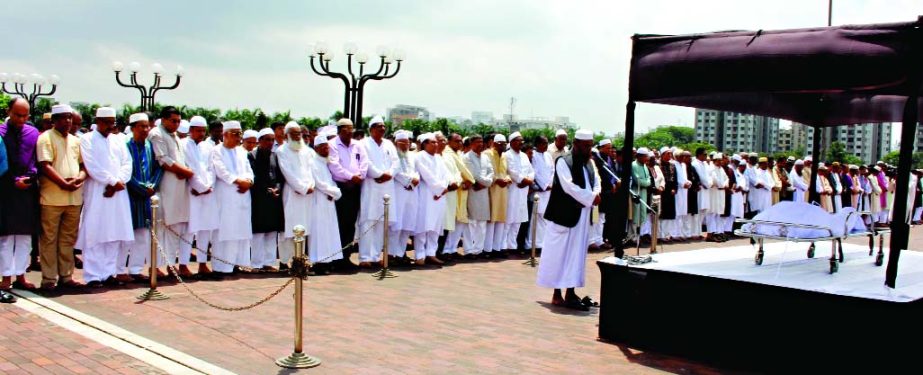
column 145, row 173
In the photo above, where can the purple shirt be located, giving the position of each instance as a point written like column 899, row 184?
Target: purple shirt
column 346, row 161
column 21, row 160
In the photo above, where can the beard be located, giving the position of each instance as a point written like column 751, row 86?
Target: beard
column 295, row 145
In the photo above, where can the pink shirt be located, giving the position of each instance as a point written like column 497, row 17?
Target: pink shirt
column 347, row 161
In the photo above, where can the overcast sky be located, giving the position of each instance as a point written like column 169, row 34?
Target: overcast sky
column 557, row 58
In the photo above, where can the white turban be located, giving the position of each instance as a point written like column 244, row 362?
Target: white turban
column 499, row 138
column 105, row 112
column 230, row 125
column 137, row 117
column 251, row 134
column 61, row 108
column 583, row 135
column 266, row 131
column 183, row 127
column 198, row 121
column 514, row 136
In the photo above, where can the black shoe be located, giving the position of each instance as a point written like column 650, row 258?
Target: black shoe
column 484, row 255
column 95, row 284
column 501, row 254
column 111, row 281
column 6, row 297
column 470, row 257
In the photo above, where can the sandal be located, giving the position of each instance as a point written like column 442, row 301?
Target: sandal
column 588, row 302
column 576, row 305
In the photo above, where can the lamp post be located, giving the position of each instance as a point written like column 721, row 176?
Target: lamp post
column 21, row 82
column 355, row 83
column 147, row 93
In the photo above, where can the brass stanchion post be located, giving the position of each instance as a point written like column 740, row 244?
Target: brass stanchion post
column 385, row 273
column 298, row 359
column 153, row 294
column 532, row 261
column 655, row 226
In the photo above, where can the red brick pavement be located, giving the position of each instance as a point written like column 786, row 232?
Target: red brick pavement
column 469, row 318
column 30, row 344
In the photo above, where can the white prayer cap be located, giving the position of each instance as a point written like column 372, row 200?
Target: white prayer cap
column 808, row 158
column 791, row 158
column 604, row 141
column 821, row 165
column 198, row 121
column 137, row 117
column 427, row 137
column 401, row 135
column 61, row 108
column 643, row 151
column 515, row 135
column 291, row 125
column 320, row 140
column 499, row 138
column 719, row 155
column 230, row 125
column 744, row 155
column 105, row 112
column 183, row 127
column 376, row 120
column 266, row 131
column 344, row 121
column 329, row 129
column 665, row 149
column 799, row 162
column 853, row 167
column 736, row 158
column 560, row 132
column 880, row 162
column 251, row 134
column 583, row 135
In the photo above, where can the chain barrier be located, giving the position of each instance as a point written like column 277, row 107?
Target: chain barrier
column 298, row 270
column 211, row 304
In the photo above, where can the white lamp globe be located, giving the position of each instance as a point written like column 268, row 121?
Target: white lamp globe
column 134, row 66
column 117, row 66
column 157, row 68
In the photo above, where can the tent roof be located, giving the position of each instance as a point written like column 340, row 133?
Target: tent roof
column 820, row 76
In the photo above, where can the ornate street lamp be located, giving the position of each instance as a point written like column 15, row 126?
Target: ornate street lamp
column 20, row 82
column 147, row 93
column 355, row 83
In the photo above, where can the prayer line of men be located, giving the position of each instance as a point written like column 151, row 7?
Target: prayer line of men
column 242, row 192
column 714, row 189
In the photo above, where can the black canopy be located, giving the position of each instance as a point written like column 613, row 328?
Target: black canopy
column 821, row 77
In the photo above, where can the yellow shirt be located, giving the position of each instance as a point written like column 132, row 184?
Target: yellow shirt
column 64, row 155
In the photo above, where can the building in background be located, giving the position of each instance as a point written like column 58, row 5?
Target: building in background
column 733, row 132
column 402, row 112
column 557, row 122
column 869, row 142
column 482, row 117
column 785, row 140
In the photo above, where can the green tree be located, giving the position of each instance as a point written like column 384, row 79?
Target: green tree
column 894, row 157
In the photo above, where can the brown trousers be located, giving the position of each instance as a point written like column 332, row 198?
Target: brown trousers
column 56, row 243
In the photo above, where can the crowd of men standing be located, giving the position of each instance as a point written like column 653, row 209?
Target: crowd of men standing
column 233, row 197
column 713, row 189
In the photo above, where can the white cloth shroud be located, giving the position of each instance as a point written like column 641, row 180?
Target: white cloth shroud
column 804, row 214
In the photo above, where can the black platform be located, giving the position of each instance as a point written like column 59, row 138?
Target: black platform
column 741, row 325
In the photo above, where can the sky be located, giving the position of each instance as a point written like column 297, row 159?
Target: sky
column 557, row 58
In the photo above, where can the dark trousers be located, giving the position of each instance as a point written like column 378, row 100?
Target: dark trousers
column 347, row 212
column 525, row 228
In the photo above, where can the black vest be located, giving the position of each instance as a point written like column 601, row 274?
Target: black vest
column 563, row 209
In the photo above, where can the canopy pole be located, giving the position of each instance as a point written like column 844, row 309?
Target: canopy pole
column 900, row 230
column 621, row 195
column 813, row 195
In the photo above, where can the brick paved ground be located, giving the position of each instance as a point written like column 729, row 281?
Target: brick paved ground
column 30, row 344
column 470, row 318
